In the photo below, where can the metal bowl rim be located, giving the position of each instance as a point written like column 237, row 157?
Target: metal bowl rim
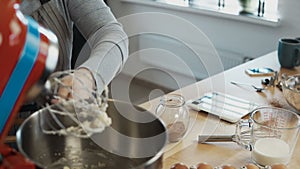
column 147, row 163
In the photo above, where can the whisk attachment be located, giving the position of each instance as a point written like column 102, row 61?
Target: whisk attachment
column 74, row 105
column 78, row 118
column 243, row 135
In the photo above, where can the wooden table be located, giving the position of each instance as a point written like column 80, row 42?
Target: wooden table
column 190, row 152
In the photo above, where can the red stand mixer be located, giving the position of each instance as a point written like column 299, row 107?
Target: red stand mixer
column 28, row 55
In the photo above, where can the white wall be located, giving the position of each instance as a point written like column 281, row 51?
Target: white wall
column 237, row 36
column 233, row 36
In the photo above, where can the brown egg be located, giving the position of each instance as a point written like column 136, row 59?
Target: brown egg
column 251, row 166
column 279, row 166
column 204, row 166
column 179, row 166
column 228, row 167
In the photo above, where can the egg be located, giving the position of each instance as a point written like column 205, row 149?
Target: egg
column 179, row 166
column 249, row 166
column 228, row 167
column 279, row 166
column 204, row 166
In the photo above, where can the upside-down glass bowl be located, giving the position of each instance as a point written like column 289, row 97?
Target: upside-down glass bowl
column 291, row 90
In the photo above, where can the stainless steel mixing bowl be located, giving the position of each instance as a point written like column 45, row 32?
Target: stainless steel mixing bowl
column 135, row 140
column 291, row 90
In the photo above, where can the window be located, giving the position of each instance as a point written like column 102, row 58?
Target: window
column 265, row 10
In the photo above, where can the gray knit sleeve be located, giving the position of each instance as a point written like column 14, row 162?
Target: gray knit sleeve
column 105, row 36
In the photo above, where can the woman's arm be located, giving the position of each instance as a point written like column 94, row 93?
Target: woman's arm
column 105, row 37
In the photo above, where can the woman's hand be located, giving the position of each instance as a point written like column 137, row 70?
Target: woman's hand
column 79, row 84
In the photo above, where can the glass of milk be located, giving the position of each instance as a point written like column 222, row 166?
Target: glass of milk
column 272, row 135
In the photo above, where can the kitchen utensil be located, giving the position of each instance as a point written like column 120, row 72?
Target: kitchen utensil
column 222, row 105
column 271, row 127
column 135, row 139
column 291, row 90
column 240, row 137
column 267, row 128
column 28, row 54
column 84, row 106
column 173, row 111
column 258, row 89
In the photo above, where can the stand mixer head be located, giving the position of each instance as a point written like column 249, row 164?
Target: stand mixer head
column 28, row 55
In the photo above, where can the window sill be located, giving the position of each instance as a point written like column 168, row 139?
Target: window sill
column 273, row 21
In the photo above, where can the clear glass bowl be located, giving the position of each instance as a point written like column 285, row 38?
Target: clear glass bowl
column 174, row 113
column 291, row 90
